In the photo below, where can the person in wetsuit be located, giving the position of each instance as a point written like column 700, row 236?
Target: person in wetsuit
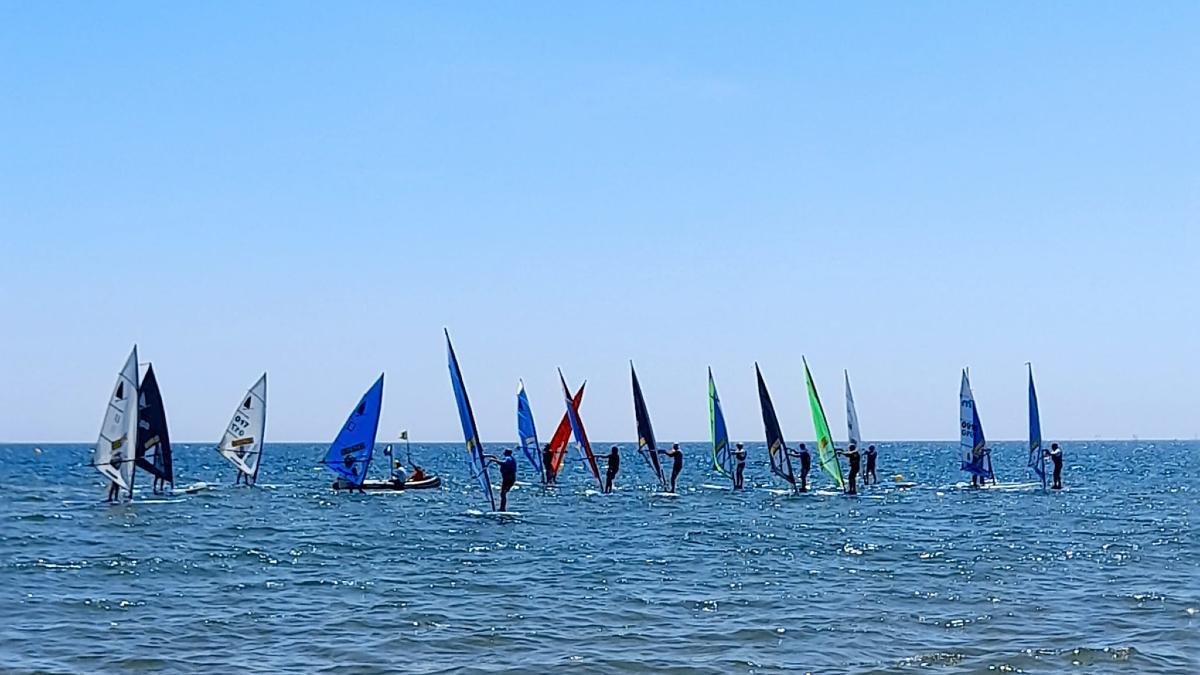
column 614, row 465
column 805, row 465
column 676, row 456
column 869, row 476
column 739, row 466
column 548, row 465
column 853, row 456
column 508, row 474
column 1056, row 457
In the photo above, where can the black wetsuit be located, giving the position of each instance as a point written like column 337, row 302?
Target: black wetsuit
column 677, row 457
column 854, row 458
column 739, row 469
column 805, row 466
column 869, row 476
column 614, row 466
column 508, row 476
column 1056, row 458
column 548, row 465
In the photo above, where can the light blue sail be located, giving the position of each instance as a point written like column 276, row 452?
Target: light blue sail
column 1037, row 458
column 350, row 454
column 475, row 461
column 528, row 432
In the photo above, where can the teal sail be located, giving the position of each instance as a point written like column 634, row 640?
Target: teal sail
column 475, row 460
column 721, row 452
column 1037, row 457
column 527, row 431
column 350, row 454
column 647, row 445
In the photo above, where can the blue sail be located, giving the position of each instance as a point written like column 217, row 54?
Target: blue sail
column 475, row 460
column 528, row 432
column 350, row 454
column 153, row 450
column 1037, row 458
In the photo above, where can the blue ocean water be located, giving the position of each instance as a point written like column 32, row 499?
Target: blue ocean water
column 291, row 577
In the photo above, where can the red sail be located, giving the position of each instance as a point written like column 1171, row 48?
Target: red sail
column 562, row 435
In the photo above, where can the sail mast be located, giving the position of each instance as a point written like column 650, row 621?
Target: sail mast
column 585, row 446
column 853, row 435
column 647, row 444
column 1037, row 457
column 722, row 457
column 826, row 453
column 475, row 459
column 777, row 450
column 242, row 442
column 113, row 454
column 527, row 431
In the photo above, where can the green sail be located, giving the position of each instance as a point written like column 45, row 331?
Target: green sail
column 826, row 456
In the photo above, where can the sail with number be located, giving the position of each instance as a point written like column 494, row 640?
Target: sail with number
column 647, row 445
column 581, row 439
column 113, row 455
column 777, row 450
column 826, row 453
column 527, row 431
column 476, row 463
column 853, row 435
column 971, row 440
column 242, row 443
column 722, row 455
column 1037, row 457
column 349, row 455
column 562, row 434
column 153, row 450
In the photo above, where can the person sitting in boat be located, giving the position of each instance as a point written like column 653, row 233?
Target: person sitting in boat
column 548, row 465
column 1056, row 456
column 805, row 464
column 853, row 456
column 508, row 474
column 676, row 456
column 869, row 475
column 399, row 475
column 739, row 467
column 418, row 474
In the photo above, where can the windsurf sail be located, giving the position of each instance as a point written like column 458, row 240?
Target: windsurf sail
column 242, row 443
column 971, row 440
column 475, row 459
column 777, row 450
column 527, row 431
column 581, row 439
column 114, row 453
column 852, row 432
column 1037, row 457
column 153, row 453
column 562, row 435
column 722, row 456
column 826, row 453
column 647, row 445
column 350, row 454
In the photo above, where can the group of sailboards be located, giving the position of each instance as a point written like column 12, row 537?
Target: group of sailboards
column 137, row 438
column 134, row 434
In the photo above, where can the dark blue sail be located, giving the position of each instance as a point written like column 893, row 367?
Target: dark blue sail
column 350, row 454
column 1037, row 457
column 777, row 450
column 153, row 450
column 647, row 444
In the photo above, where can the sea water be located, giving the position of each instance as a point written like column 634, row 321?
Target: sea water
column 292, row 577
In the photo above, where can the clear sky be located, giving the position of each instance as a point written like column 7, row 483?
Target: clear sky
column 316, row 189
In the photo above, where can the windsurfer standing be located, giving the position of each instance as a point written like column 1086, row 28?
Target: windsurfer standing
column 869, row 475
column 614, row 465
column 548, row 465
column 853, row 456
column 739, row 467
column 508, row 474
column 676, row 456
column 805, row 464
column 1055, row 454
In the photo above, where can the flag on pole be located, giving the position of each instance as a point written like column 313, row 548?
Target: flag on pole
column 404, row 435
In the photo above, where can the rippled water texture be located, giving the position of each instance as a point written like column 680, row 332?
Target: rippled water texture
column 290, row 577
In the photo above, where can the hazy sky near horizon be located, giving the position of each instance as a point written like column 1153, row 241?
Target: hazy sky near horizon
column 316, row 189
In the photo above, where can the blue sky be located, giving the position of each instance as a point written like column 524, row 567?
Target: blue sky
column 315, row 190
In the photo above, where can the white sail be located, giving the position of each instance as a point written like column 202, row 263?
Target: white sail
column 970, row 431
column 114, row 451
column 854, row 437
column 243, row 440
